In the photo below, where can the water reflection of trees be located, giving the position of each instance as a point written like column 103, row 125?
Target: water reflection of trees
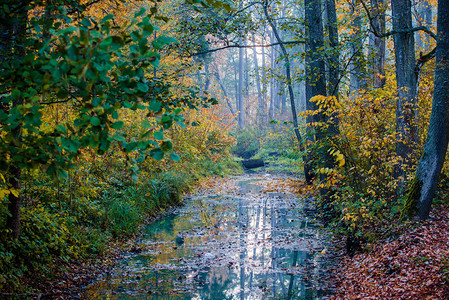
column 265, row 256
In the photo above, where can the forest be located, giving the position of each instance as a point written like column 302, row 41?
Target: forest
column 128, row 124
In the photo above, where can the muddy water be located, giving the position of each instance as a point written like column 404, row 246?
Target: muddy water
column 242, row 243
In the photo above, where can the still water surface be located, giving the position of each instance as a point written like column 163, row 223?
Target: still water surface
column 250, row 243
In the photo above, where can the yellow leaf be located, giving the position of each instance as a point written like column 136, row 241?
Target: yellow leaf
column 14, row 192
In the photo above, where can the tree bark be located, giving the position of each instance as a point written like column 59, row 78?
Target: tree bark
column 15, row 41
column 236, row 81
column 334, row 59
column 258, row 85
column 272, row 80
column 240, row 98
column 377, row 47
column 247, row 68
column 264, row 83
column 404, row 48
column 422, row 189
column 315, row 70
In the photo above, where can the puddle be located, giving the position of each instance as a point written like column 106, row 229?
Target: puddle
column 244, row 245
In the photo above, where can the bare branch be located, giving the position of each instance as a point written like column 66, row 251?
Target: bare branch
column 249, row 46
column 386, row 34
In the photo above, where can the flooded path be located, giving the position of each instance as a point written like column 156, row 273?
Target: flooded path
column 246, row 237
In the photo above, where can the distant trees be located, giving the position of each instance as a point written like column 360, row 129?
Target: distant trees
column 287, row 67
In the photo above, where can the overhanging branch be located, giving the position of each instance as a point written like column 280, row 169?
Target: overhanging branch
column 248, row 46
column 386, row 34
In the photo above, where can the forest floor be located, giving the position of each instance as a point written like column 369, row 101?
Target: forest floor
column 415, row 265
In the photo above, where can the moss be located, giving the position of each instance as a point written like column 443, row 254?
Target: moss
column 411, row 201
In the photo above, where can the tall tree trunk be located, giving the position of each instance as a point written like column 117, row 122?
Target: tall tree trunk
column 422, row 190
column 15, row 41
column 236, row 82
column 404, row 48
column 334, row 59
column 275, row 77
column 377, row 47
column 315, row 69
column 240, row 99
column 334, row 71
column 272, row 79
column 264, row 83
column 258, row 85
column 247, row 78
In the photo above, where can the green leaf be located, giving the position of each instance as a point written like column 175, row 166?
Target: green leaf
column 155, row 106
column 107, row 18
column 175, row 157
column 146, row 124
column 148, row 29
column 157, row 154
column 166, row 146
column 70, row 145
column 161, row 41
column 61, row 173
column 140, row 13
column 142, row 87
column 119, row 138
column 159, row 135
column 95, row 121
column 61, row 128
column 182, row 125
column 117, row 125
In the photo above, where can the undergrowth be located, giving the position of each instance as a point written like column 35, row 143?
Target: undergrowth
column 99, row 203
